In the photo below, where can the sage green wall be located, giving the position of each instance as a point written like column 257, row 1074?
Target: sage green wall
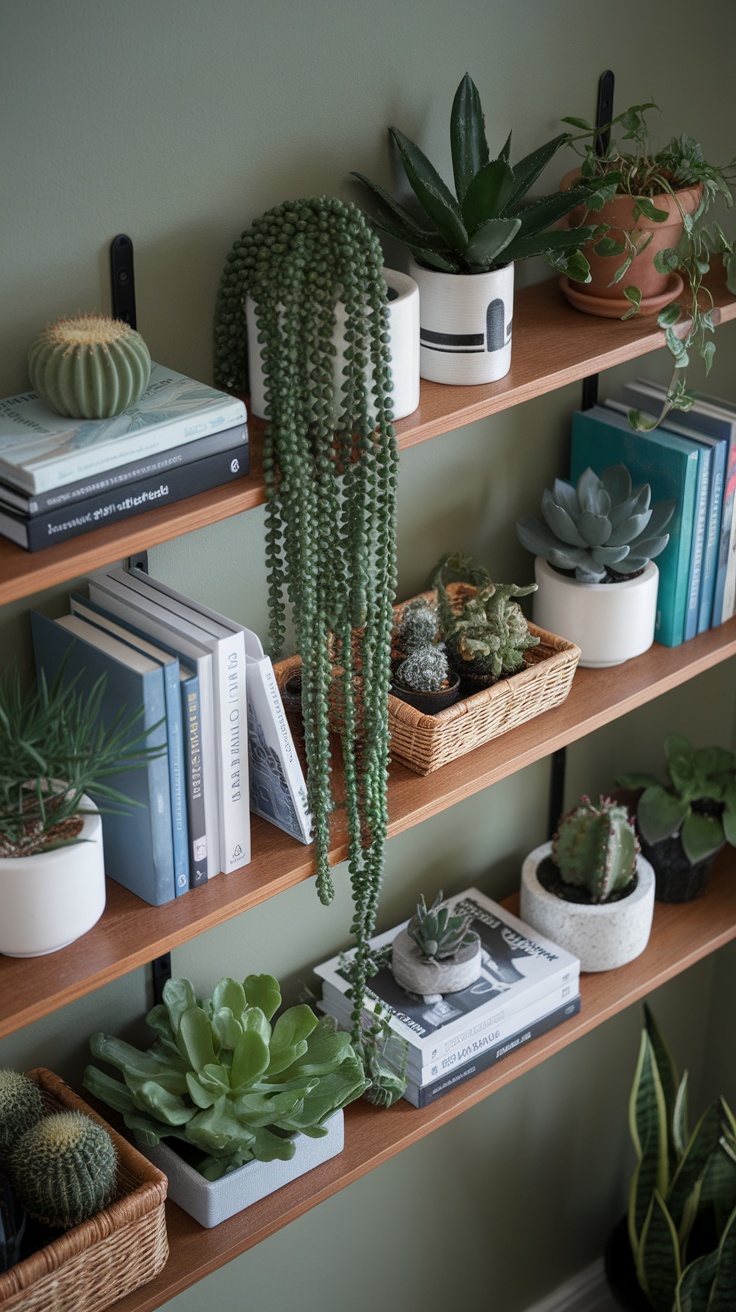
column 179, row 123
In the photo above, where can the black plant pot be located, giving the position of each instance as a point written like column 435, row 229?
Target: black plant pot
column 621, row 1272
column 429, row 703
column 677, row 880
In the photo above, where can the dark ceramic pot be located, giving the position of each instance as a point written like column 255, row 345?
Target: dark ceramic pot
column 291, row 696
column 429, row 703
column 676, row 879
column 621, row 1273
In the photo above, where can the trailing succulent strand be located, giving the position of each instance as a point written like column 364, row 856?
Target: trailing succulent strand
column 330, row 466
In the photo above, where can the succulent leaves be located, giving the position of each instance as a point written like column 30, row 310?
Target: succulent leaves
column 601, row 528
column 487, row 633
column 437, row 933
column 489, row 222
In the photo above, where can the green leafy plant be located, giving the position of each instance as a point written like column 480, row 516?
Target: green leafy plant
column 223, row 1078
column 603, row 529
column 595, row 847
column 697, row 803
column 631, row 166
column 330, row 465
column 486, row 632
column 490, row 221
column 682, row 1198
column 438, row 934
column 54, row 748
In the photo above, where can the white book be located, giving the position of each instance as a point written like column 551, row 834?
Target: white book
column 275, row 780
column 41, row 449
column 124, row 604
column 519, row 967
column 227, row 644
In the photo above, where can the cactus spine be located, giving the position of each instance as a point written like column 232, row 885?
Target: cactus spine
column 595, row 847
column 64, row 1168
column 21, row 1106
column 91, row 367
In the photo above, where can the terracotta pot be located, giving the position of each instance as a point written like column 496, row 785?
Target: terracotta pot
column 601, row 298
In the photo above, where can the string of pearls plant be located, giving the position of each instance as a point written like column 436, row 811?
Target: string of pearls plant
column 330, row 468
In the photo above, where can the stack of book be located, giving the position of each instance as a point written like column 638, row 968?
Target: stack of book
column 526, row 986
column 691, row 458
column 208, row 694
column 63, row 477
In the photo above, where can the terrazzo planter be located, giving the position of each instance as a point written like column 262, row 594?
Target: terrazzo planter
column 432, row 979
column 213, row 1201
column 603, row 936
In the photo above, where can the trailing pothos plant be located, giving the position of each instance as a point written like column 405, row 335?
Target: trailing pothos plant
column 629, row 165
column 490, row 221
column 330, row 469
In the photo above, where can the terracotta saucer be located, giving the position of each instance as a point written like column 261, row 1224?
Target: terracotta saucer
column 608, row 307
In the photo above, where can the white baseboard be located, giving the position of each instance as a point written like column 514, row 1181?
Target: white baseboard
column 586, row 1292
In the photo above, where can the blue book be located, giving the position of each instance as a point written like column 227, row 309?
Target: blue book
column 137, row 839
column 94, row 614
column 602, row 436
column 720, row 436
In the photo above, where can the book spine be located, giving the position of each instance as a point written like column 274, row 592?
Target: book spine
column 175, row 753
column 233, row 440
column 423, row 1096
column 193, row 773
column 695, row 572
column 713, row 537
column 232, row 736
column 725, row 605
column 110, row 508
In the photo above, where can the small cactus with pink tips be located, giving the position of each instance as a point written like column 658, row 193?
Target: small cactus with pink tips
column 596, row 847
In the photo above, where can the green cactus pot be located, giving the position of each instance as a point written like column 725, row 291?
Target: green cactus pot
column 91, row 367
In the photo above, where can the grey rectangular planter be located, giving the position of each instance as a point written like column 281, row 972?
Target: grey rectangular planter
column 213, row 1201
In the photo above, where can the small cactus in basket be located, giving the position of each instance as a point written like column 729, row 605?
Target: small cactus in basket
column 425, row 669
column 595, row 847
column 64, row 1169
column 21, row 1106
column 417, row 626
column 487, row 635
column 438, row 934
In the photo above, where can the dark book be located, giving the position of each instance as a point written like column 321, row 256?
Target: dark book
column 39, row 531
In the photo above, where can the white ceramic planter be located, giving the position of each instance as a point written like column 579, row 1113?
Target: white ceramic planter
column 213, row 1201
column 604, row 936
column 431, row 979
column 403, row 313
column 49, row 900
column 465, row 324
column 609, row 622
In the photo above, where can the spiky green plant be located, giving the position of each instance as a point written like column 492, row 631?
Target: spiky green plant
column 417, row 625
column 490, row 221
column 487, row 634
column 438, row 934
column 425, row 669
column 601, row 529
column 595, row 847
column 64, row 1169
column 21, row 1106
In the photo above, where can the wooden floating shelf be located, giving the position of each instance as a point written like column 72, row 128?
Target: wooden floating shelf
column 553, row 345
column 131, row 933
column 681, row 936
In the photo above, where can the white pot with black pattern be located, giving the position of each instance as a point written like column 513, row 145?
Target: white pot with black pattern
column 465, row 324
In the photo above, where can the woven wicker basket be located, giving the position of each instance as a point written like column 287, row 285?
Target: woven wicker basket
column 426, row 742
column 94, row 1264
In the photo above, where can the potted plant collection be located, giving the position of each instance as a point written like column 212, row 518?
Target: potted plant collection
column 594, row 548
column 654, row 206
column 684, row 822
column 437, row 952
column 676, row 1248
column 54, row 751
column 250, row 1101
column 590, row 889
column 464, row 245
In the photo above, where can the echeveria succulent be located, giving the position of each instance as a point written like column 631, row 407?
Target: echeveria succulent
column 222, row 1077
column 601, row 528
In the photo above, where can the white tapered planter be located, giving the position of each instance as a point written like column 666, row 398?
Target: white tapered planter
column 602, row 936
column 403, row 315
column 213, row 1201
column 609, row 622
column 50, row 899
column 465, row 324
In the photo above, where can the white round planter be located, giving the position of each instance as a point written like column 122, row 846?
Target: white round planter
column 465, row 324
column 403, row 314
column 432, row 979
column 49, row 900
column 609, row 622
column 603, row 936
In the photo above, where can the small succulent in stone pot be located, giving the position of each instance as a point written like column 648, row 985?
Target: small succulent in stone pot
column 437, row 952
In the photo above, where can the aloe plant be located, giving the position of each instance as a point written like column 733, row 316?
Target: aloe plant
column 489, row 221
column 221, row 1077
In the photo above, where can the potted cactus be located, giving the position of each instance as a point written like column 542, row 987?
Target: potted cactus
column 249, row 1104
column 684, row 823
column 486, row 633
column 437, row 953
column 421, row 672
column 594, row 551
column 590, row 889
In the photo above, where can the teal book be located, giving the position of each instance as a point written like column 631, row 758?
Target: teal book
column 137, row 839
column 669, row 463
